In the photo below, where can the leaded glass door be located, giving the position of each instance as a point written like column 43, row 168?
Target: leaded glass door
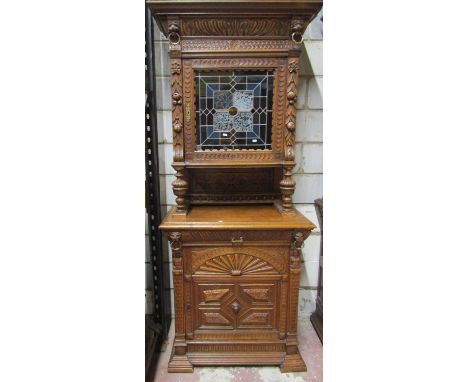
column 234, row 109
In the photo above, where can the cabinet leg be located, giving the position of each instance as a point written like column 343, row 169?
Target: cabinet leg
column 179, row 364
column 293, row 363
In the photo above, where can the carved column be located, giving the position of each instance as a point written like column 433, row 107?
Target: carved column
column 287, row 184
column 180, row 185
column 179, row 361
column 293, row 361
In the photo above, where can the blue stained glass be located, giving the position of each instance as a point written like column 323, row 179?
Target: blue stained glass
column 229, row 107
column 210, row 89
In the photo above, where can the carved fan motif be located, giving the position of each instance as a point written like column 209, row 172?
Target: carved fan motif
column 236, row 265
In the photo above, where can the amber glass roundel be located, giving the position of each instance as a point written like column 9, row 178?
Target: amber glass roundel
column 234, row 110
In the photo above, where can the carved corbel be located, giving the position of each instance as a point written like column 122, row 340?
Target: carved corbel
column 176, row 246
column 174, row 31
column 297, row 30
column 175, row 240
column 295, row 260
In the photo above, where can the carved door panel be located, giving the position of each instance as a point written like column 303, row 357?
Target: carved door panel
column 235, row 305
column 258, row 306
column 212, row 306
column 237, row 288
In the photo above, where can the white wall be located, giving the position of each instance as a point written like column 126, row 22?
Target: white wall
column 307, row 173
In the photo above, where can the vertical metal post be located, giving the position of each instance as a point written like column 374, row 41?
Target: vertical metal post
column 156, row 322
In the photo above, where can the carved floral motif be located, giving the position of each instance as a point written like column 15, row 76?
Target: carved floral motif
column 293, row 66
column 175, row 68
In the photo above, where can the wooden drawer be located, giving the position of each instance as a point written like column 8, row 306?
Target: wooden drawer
column 237, row 237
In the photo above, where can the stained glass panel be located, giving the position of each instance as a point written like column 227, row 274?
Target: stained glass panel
column 234, row 109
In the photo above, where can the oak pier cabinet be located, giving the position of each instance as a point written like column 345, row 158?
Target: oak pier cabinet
column 236, row 239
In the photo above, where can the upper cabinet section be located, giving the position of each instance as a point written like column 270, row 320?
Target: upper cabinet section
column 234, row 83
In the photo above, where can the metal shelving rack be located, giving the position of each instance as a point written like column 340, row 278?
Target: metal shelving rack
column 156, row 319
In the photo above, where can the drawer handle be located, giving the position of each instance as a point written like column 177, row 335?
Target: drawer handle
column 237, row 242
column 235, row 307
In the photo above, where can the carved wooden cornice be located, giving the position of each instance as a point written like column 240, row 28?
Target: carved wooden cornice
column 242, row 26
column 270, row 18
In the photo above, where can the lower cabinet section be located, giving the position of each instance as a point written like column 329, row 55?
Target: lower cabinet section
column 236, row 301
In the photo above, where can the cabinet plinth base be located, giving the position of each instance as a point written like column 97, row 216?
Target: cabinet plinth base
column 287, row 362
column 293, row 363
column 179, row 364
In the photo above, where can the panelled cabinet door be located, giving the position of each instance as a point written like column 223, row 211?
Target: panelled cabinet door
column 236, row 305
column 235, row 291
